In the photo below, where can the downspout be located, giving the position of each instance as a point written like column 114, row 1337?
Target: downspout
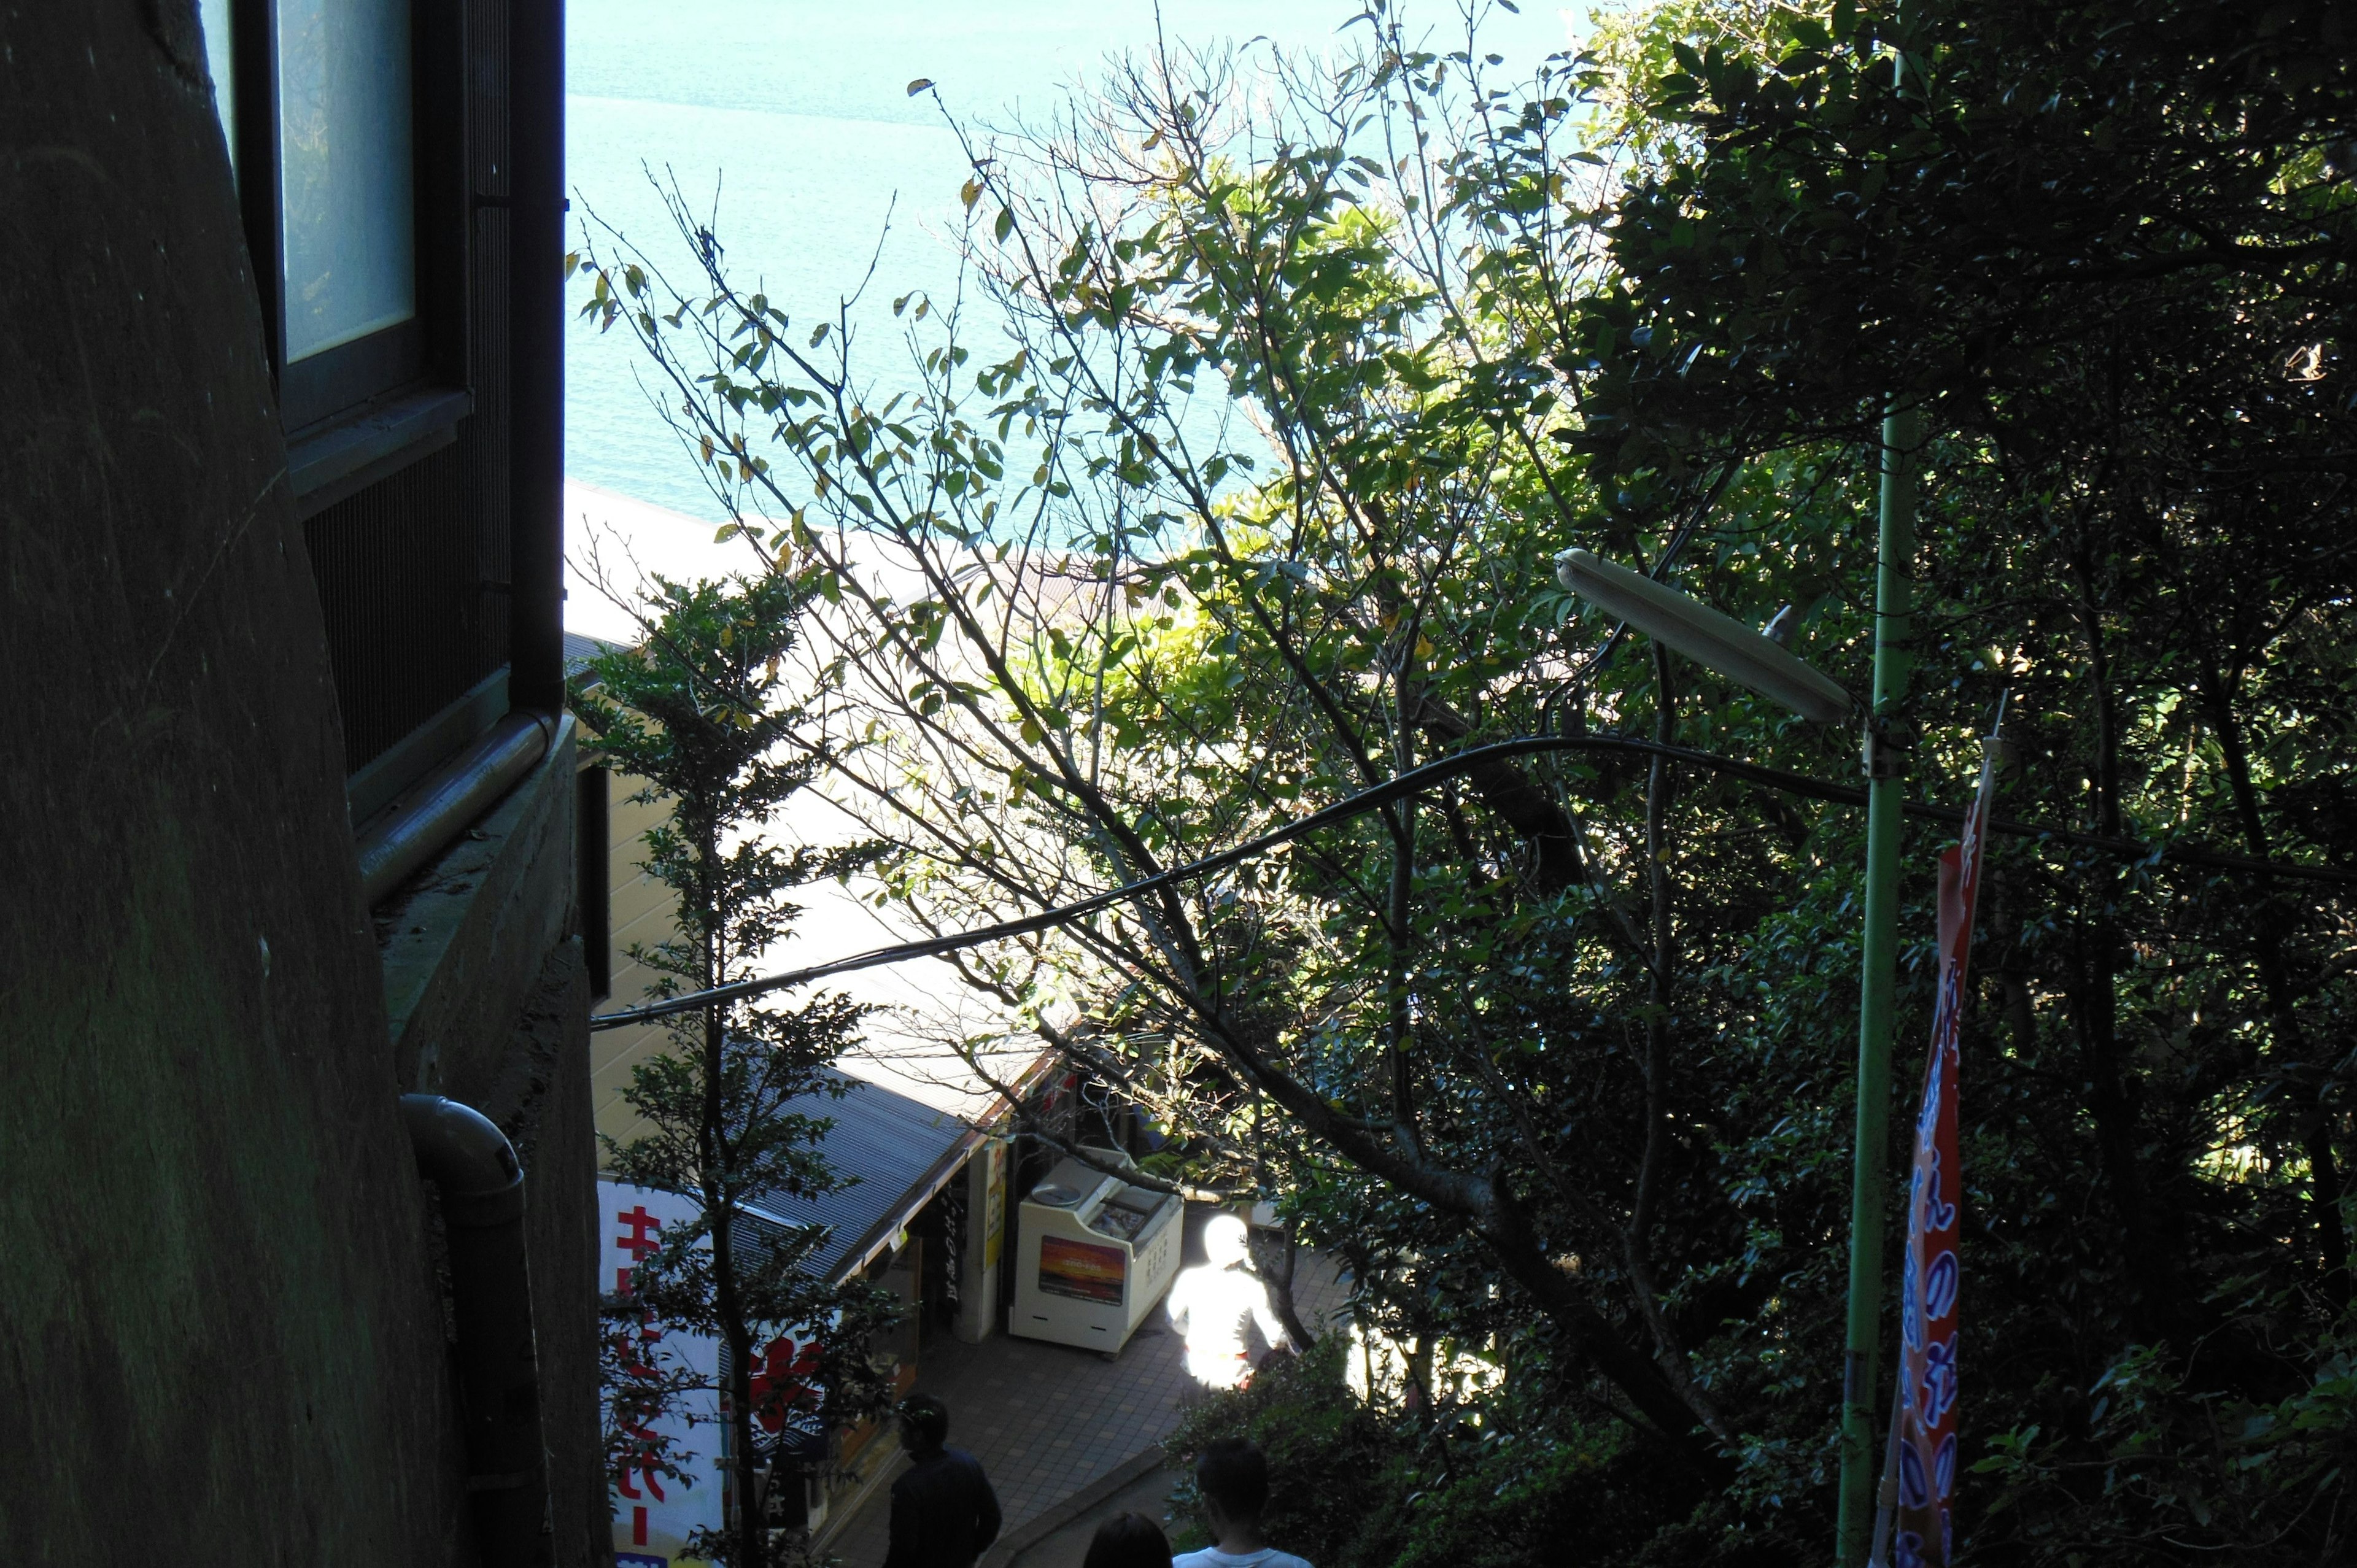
column 536, row 321
column 471, row 1164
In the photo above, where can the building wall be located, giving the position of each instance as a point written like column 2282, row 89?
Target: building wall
column 415, row 570
column 402, row 569
column 488, row 1002
column 640, row 913
column 221, row 1340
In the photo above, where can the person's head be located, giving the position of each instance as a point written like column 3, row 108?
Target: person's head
column 1231, row 1474
column 925, row 1423
column 1128, row 1540
column 1224, row 1241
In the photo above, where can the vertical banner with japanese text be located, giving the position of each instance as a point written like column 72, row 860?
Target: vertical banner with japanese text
column 1924, row 1445
column 654, row 1513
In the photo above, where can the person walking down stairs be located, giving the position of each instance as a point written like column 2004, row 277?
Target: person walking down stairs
column 1233, row 1476
column 944, row 1514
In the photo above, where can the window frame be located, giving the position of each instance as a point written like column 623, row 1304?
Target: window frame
column 420, row 361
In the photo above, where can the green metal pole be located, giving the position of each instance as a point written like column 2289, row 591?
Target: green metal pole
column 1893, row 612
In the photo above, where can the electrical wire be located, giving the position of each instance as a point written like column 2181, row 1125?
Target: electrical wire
column 1416, row 781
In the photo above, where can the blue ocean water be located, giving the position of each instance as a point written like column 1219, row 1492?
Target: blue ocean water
column 797, row 113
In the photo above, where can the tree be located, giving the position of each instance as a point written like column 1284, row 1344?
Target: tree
column 1311, row 368
column 1065, row 692
column 697, row 712
column 2107, row 249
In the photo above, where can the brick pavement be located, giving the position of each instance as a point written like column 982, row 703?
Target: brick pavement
column 1046, row 1420
column 1069, row 1547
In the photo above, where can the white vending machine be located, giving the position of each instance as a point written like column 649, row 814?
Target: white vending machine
column 1095, row 1255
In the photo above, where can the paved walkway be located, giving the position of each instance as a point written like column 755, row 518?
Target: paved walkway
column 1046, row 1420
column 1069, row 1547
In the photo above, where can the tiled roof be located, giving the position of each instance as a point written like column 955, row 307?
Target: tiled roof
column 579, row 650
column 900, row 1151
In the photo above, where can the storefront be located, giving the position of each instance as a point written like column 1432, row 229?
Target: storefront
column 927, row 1218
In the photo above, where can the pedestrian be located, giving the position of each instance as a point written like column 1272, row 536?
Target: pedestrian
column 1128, row 1540
column 1232, row 1477
column 944, row 1514
column 1212, row 1305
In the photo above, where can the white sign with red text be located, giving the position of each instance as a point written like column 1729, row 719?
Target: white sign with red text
column 655, row 1513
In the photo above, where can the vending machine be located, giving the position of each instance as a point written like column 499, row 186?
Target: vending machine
column 1095, row 1255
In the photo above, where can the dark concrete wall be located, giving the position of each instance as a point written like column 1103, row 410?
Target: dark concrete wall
column 541, row 1101
column 218, row 1338
column 463, row 941
column 489, row 998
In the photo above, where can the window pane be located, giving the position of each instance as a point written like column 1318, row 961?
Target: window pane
column 213, row 16
column 344, row 168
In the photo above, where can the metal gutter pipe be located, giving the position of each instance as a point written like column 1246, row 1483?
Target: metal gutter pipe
column 438, row 807
column 471, row 1164
column 535, row 286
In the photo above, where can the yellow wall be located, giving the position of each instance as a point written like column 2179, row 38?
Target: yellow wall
column 640, row 913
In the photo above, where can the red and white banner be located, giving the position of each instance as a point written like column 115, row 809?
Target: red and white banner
column 654, row 1513
column 1923, row 1449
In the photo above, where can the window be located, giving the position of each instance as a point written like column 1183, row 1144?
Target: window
column 347, row 218
column 213, row 16
column 342, row 120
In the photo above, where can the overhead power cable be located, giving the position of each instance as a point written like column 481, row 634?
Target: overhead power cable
column 1416, row 781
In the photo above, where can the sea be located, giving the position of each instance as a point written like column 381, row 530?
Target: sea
column 790, row 122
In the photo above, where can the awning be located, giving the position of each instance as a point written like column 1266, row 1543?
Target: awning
column 901, row 1151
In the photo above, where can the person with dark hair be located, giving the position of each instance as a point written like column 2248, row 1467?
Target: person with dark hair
column 1232, row 1474
column 944, row 1514
column 1128, row 1540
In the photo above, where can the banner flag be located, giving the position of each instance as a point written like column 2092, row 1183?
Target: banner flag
column 653, row 1513
column 1923, row 1440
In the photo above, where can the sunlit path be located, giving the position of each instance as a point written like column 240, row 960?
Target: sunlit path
column 1046, row 1420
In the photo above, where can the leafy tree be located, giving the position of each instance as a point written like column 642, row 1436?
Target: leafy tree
column 1309, row 368
column 2107, row 250
column 1127, row 657
column 697, row 712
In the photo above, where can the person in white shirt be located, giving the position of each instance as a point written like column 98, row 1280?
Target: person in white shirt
column 1211, row 1303
column 1232, row 1474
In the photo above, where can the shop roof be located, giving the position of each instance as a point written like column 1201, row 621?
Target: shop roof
column 579, row 650
column 901, row 1151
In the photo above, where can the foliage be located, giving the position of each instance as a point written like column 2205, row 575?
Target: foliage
column 696, row 714
column 1308, row 368
column 1304, row 1418
column 1489, row 1487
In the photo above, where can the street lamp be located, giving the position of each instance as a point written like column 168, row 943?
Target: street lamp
column 1714, row 640
column 1742, row 655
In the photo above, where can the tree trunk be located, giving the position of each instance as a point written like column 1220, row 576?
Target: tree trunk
column 1488, row 1209
column 741, row 1518
column 1280, row 1288
column 736, row 1347
column 2112, row 1104
column 2283, row 1020
column 2094, row 1012
column 1638, row 1379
